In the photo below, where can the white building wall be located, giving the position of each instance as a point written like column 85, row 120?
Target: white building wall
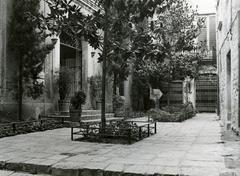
column 228, row 41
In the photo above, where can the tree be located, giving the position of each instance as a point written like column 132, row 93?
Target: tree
column 172, row 36
column 29, row 48
column 66, row 16
column 126, row 13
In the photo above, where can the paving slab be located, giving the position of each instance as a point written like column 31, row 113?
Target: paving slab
column 195, row 147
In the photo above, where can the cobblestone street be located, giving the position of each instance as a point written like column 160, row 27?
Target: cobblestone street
column 196, row 147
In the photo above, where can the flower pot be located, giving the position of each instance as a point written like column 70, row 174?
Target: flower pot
column 75, row 115
column 63, row 105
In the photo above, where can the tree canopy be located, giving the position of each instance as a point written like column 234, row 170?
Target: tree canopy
column 172, row 35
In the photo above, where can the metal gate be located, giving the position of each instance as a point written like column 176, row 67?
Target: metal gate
column 206, row 93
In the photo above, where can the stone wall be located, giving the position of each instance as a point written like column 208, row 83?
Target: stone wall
column 228, row 16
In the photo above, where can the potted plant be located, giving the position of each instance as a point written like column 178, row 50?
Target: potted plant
column 76, row 103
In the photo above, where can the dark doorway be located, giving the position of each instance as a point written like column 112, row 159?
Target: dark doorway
column 229, row 89
column 70, row 65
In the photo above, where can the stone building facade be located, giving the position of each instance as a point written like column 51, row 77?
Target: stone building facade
column 228, row 38
column 63, row 55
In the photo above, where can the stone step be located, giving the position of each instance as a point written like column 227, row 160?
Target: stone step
column 84, row 112
column 97, row 116
column 83, row 117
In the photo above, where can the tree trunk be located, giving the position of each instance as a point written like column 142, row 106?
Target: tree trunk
column 115, row 84
column 169, row 81
column 105, row 42
column 114, row 91
column 20, row 87
column 168, row 94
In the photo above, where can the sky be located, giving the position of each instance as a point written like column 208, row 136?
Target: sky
column 204, row 6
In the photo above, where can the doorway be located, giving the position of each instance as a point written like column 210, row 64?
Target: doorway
column 228, row 86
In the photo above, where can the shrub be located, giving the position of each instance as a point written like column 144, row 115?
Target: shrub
column 159, row 115
column 77, row 100
column 172, row 109
column 172, row 113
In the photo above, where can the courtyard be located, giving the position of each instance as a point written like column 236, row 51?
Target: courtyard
column 195, row 147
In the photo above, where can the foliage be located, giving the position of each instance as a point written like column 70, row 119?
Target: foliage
column 77, row 100
column 114, row 18
column 120, row 132
column 170, row 52
column 15, row 127
column 66, row 16
column 122, row 19
column 28, row 45
column 121, row 128
column 159, row 115
column 127, row 12
column 172, row 113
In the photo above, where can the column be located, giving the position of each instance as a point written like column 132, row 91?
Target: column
column 3, row 36
column 78, row 68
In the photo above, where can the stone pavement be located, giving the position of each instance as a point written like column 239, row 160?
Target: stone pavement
column 11, row 173
column 196, row 147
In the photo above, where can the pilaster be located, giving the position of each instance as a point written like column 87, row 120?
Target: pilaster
column 3, row 35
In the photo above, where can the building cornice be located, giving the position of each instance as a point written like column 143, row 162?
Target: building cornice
column 207, row 14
